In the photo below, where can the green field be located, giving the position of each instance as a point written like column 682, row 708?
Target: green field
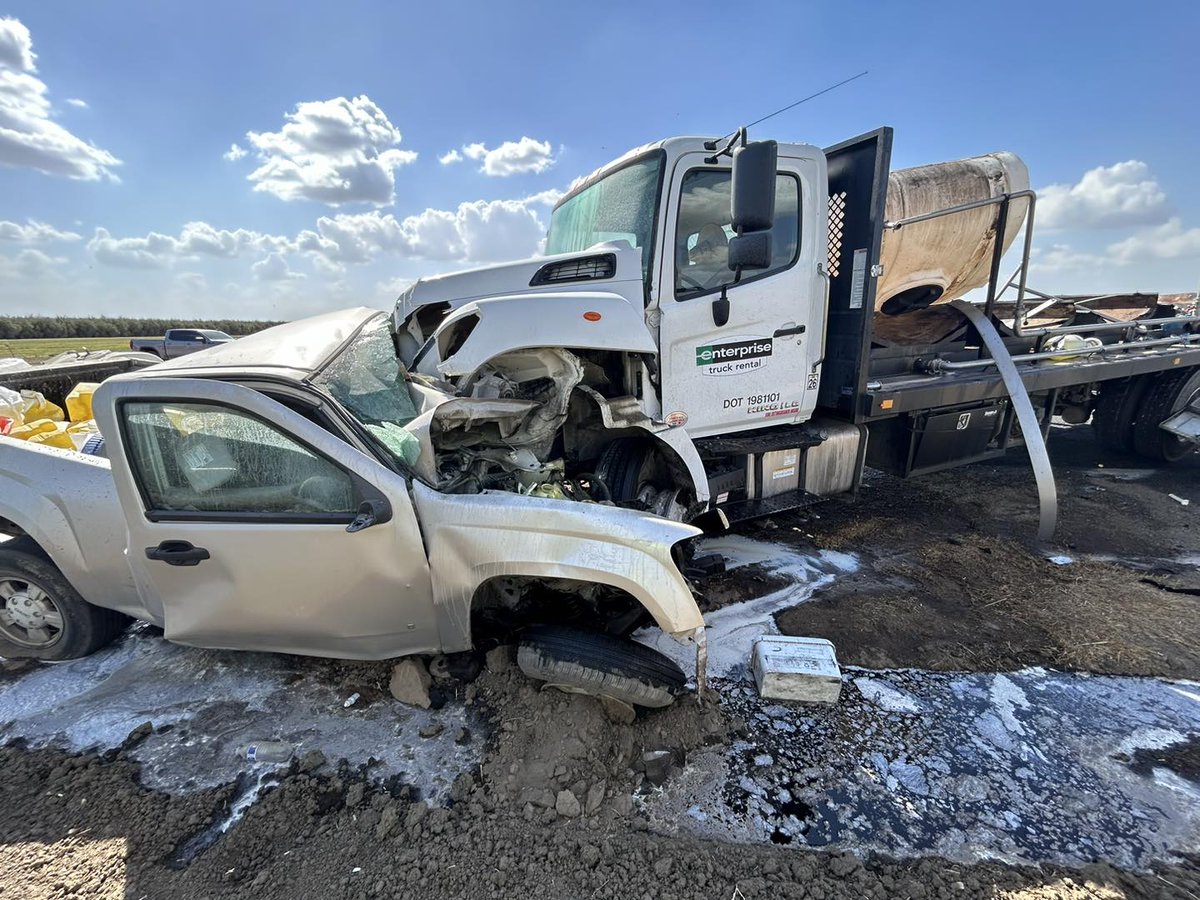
column 36, row 350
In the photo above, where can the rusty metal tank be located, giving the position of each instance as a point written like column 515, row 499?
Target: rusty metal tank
column 944, row 258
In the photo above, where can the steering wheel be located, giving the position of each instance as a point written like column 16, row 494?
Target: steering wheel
column 690, row 281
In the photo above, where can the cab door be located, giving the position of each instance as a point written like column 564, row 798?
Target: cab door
column 251, row 527
column 759, row 367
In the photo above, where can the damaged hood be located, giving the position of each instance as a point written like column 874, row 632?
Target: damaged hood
column 457, row 288
column 480, row 330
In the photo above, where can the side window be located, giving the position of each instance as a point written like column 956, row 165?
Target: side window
column 198, row 457
column 703, row 231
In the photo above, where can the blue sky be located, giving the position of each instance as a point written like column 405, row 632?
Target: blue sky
column 121, row 193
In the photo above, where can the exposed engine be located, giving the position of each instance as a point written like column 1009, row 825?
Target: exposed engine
column 504, row 431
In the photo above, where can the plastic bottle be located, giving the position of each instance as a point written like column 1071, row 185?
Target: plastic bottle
column 266, row 752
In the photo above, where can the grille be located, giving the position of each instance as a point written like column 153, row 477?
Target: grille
column 590, row 268
column 837, row 218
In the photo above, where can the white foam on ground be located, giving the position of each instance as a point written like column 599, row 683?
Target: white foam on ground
column 886, row 697
column 731, row 630
column 217, row 701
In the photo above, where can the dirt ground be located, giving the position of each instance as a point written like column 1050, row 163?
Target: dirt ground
column 949, row 578
column 81, row 826
column 952, row 578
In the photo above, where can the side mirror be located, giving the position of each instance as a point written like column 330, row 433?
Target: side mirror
column 751, row 250
column 374, row 511
column 752, row 195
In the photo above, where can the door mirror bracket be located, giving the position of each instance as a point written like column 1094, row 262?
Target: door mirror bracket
column 375, row 511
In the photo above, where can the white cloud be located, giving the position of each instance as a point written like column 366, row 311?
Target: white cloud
column 450, row 156
column 77, row 103
column 28, row 263
column 545, row 198
column 196, row 239
column 1113, row 196
column 1168, row 241
column 274, row 268
column 331, row 151
column 392, row 288
column 479, row 231
column 33, row 232
column 234, row 153
column 29, row 138
column 16, row 46
column 1062, row 258
column 512, row 157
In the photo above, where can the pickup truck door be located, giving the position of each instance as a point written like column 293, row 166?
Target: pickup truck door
column 759, row 367
column 245, row 528
column 179, row 342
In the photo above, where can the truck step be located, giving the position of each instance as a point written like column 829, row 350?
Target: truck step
column 763, row 440
column 745, row 510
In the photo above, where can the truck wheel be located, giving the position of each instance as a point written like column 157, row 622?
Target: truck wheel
column 1116, row 409
column 1167, row 395
column 43, row 617
column 588, row 663
column 635, row 475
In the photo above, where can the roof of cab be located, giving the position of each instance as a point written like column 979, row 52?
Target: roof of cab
column 302, row 346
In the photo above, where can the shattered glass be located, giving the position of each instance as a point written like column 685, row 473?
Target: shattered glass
column 371, row 383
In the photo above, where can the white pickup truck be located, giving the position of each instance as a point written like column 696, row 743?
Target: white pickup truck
column 298, row 491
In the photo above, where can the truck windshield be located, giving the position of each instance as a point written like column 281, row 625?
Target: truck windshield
column 618, row 207
column 369, row 381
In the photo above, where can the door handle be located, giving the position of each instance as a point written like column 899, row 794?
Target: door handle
column 177, row 553
column 785, row 332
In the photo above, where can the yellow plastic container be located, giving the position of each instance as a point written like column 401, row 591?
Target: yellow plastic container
column 31, row 429
column 79, row 401
column 88, row 426
column 38, row 407
column 54, row 438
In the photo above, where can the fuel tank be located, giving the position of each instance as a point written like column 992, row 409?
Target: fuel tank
column 944, row 258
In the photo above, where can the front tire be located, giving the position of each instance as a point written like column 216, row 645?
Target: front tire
column 600, row 665
column 43, row 617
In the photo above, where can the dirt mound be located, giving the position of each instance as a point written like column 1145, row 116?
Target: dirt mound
column 83, row 827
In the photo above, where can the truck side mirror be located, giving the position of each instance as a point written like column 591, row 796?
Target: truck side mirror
column 750, row 251
column 752, row 195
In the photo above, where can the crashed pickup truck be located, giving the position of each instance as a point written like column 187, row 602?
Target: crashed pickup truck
column 299, row 491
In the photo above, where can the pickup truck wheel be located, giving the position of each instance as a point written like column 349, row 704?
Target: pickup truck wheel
column 1116, row 409
column 43, row 617
column 589, row 663
column 1167, row 395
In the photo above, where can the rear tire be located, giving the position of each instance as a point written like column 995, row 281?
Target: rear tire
column 600, row 665
column 42, row 616
column 1167, row 395
column 1116, row 409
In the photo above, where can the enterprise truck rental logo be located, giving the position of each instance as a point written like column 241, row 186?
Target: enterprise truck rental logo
column 741, row 354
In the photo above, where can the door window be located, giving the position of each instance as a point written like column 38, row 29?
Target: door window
column 703, row 231
column 203, row 458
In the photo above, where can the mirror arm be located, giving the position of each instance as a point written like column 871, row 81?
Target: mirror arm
column 727, row 150
column 720, row 308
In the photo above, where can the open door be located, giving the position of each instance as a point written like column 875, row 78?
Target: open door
column 858, row 179
column 251, row 527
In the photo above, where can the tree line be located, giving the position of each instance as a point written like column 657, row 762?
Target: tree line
column 24, row 327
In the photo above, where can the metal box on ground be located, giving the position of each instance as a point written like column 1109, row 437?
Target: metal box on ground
column 796, row 668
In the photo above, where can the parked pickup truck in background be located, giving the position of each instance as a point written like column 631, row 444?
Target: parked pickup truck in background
column 299, row 491
column 180, row 341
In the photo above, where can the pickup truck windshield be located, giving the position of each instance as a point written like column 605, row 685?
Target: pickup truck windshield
column 369, row 381
column 618, row 207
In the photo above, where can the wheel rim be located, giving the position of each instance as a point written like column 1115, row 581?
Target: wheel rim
column 28, row 614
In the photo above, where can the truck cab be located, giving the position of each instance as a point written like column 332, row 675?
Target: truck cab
column 654, row 227
column 756, row 322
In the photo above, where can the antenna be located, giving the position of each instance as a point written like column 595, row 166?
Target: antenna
column 798, row 102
